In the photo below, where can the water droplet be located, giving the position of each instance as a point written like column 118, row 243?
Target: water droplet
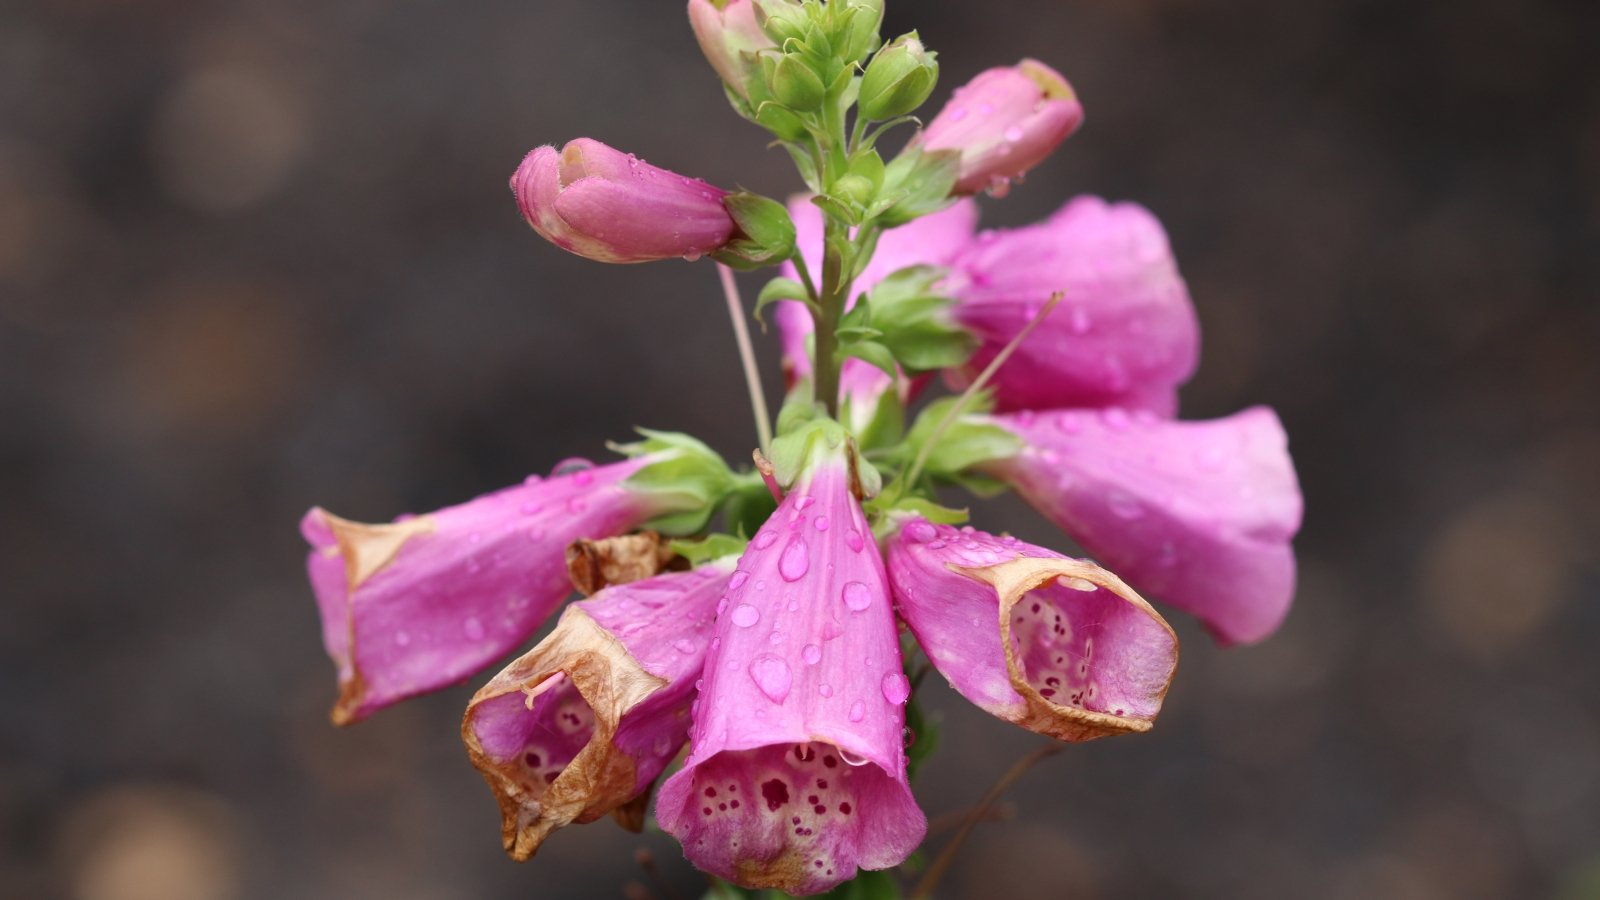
column 577, row 505
column 821, row 523
column 804, row 502
column 1116, row 418
column 796, row 559
column 776, row 637
column 764, row 539
column 896, row 688
column 1014, row 133
column 852, row 539
column 957, row 114
column 857, row 596
column 812, row 654
column 401, row 639
column 531, row 507
column 684, row 646
column 1079, row 321
column 583, row 478
column 571, row 466
column 1210, row 459
column 858, row 711
column 772, row 676
column 738, row 580
column 472, row 628
column 921, row 532
column 746, row 615
column 825, row 690
column 1069, row 423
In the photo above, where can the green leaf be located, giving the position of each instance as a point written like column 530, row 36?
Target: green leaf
column 926, row 180
column 873, row 353
column 686, row 482
column 887, row 424
column 778, row 290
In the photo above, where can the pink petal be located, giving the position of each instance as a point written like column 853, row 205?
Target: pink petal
column 1199, row 514
column 585, row 722
column 429, row 600
column 610, row 206
column 1125, row 334
column 796, row 775
column 1056, row 645
column 1004, row 122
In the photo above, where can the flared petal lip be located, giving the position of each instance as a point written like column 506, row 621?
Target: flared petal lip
column 612, row 682
column 1012, row 581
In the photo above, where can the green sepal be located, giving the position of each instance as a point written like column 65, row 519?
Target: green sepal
column 712, row 548
column 841, row 208
column 923, row 181
column 748, row 507
column 916, row 323
column 796, row 85
column 791, row 451
column 899, row 79
column 766, row 233
column 968, row 441
column 861, row 25
column 886, row 426
column 799, row 409
column 688, row 482
column 887, row 512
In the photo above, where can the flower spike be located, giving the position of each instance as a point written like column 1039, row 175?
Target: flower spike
column 797, row 770
column 610, row 206
column 1055, row 645
column 1198, row 514
column 583, row 724
column 1003, row 123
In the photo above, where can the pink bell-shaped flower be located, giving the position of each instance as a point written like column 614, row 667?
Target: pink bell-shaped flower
column 1058, row 646
column 1003, row 123
column 797, row 771
column 613, row 207
column 1125, row 333
column 1200, row 515
column 730, row 37
column 583, row 724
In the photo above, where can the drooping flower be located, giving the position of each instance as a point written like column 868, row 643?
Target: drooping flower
column 583, row 724
column 729, row 36
column 1004, row 122
column 613, row 207
column 1056, row 645
column 797, row 770
column 1200, row 515
column 1125, row 334
column 423, row 602
column 931, row 240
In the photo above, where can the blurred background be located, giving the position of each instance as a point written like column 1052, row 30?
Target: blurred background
column 256, row 256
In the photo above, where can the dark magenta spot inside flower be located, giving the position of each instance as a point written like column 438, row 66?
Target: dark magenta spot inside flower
column 776, row 793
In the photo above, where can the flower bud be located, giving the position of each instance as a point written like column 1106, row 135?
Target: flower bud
column 796, row 85
column 1003, row 123
column 609, row 206
column 861, row 38
column 899, row 79
column 782, row 20
column 729, row 36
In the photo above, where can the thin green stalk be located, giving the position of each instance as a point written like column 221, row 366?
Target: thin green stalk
column 747, row 356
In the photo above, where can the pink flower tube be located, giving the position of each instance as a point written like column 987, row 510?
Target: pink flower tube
column 1004, row 122
column 1198, row 514
column 797, row 770
column 583, row 724
column 611, row 206
column 929, row 241
column 424, row 602
column 1124, row 335
column 1058, row 646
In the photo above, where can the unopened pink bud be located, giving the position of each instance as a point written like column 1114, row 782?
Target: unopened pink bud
column 1004, row 122
column 610, row 206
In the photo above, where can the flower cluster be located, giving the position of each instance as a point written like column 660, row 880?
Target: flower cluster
column 758, row 674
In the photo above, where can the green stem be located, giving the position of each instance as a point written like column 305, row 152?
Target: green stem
column 835, row 287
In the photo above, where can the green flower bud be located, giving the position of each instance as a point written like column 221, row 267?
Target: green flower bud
column 855, row 189
column 862, row 37
column 796, row 86
column 899, row 79
column 782, row 19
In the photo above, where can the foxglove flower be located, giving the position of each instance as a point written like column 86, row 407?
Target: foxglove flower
column 931, row 240
column 1125, row 334
column 613, row 207
column 797, row 770
column 729, row 36
column 1058, row 646
column 1003, row 123
column 426, row 601
column 1198, row 514
column 584, row 723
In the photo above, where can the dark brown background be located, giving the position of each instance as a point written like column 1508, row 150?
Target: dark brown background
column 260, row 255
